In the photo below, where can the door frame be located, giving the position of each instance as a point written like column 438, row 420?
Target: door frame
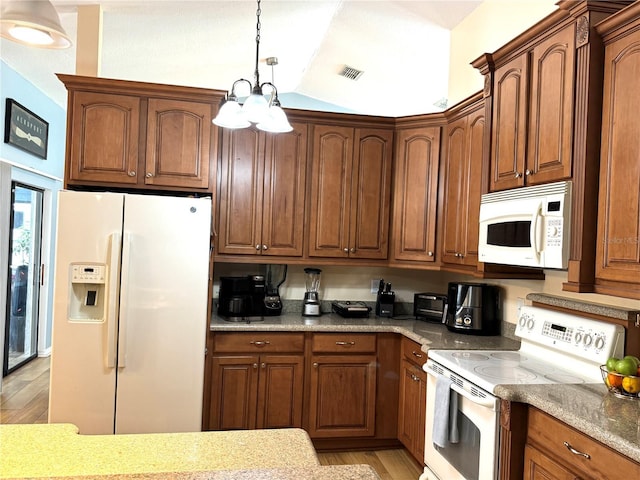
column 10, row 171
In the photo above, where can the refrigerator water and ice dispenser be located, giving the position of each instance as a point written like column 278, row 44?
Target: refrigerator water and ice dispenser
column 87, row 293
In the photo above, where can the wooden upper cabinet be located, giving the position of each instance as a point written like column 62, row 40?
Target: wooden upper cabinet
column 618, row 252
column 262, row 192
column 463, row 156
column 533, row 114
column 416, row 194
column 103, row 135
column 178, row 142
column 135, row 135
column 350, row 192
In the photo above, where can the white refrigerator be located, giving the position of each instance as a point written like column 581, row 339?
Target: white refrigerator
column 130, row 312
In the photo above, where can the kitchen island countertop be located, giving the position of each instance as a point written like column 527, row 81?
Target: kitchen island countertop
column 589, row 408
column 57, row 450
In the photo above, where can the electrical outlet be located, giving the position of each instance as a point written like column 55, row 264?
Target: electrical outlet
column 375, row 283
column 519, row 304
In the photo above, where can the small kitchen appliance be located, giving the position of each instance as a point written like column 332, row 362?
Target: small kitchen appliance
column 473, row 308
column 555, row 348
column 385, row 300
column 351, row 309
column 430, row 307
column 276, row 275
column 311, row 302
column 241, row 297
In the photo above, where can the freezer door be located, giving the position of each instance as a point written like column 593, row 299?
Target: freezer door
column 83, row 380
column 163, row 314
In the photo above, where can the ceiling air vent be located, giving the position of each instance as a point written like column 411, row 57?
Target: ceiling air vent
column 351, row 73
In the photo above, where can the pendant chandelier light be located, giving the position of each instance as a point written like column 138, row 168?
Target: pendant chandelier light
column 266, row 115
column 33, row 23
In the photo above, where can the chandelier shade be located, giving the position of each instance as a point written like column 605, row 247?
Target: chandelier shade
column 267, row 115
column 33, row 23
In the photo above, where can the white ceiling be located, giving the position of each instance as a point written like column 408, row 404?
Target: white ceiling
column 402, row 47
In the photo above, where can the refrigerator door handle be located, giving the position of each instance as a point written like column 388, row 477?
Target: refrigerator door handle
column 112, row 307
column 124, row 274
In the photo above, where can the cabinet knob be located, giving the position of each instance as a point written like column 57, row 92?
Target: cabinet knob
column 255, row 365
column 260, row 343
column 430, row 254
column 414, row 378
column 131, row 173
column 149, row 175
column 352, row 250
column 528, row 172
column 416, row 354
column 264, row 247
column 258, row 247
column 345, row 250
column 315, row 364
column 263, row 365
column 518, row 174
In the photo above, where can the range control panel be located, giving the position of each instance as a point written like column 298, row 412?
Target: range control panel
column 589, row 339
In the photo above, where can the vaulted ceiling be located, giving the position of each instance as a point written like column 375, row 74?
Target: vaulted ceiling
column 401, row 46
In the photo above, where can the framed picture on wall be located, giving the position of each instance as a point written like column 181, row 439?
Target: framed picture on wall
column 25, row 130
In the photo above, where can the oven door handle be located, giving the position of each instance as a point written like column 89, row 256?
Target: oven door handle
column 484, row 402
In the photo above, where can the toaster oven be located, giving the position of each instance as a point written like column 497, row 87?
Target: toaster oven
column 430, row 307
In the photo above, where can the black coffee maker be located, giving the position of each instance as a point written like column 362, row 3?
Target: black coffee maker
column 241, row 297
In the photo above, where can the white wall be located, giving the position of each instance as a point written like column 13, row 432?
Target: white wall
column 487, row 28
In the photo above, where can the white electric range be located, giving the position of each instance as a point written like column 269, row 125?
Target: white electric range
column 555, row 348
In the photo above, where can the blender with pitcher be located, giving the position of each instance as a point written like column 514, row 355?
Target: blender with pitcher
column 311, row 303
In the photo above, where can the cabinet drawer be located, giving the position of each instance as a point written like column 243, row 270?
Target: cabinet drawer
column 344, row 342
column 411, row 352
column 550, row 435
column 258, row 342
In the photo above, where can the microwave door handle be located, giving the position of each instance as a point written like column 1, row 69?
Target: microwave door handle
column 536, row 231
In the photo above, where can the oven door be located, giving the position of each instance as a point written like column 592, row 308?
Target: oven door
column 475, row 456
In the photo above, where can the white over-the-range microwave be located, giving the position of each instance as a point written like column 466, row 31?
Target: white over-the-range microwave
column 528, row 226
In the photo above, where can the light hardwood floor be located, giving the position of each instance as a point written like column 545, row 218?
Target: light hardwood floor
column 25, row 399
column 25, row 393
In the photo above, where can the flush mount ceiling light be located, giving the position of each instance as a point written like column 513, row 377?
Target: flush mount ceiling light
column 33, row 23
column 267, row 115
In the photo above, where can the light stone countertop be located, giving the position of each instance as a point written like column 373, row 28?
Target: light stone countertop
column 590, row 409
column 56, row 450
column 332, row 472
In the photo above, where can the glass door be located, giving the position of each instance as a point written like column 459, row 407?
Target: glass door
column 23, row 286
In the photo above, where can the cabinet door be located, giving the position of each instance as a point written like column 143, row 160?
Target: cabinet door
column 178, row 142
column 551, row 118
column 234, row 392
column 370, row 194
column 412, row 409
column 464, row 157
column 240, row 199
column 617, row 254
column 455, row 143
column 415, row 194
column 284, row 192
column 342, row 396
column 104, row 138
column 330, row 191
column 537, row 466
column 509, row 133
column 280, row 390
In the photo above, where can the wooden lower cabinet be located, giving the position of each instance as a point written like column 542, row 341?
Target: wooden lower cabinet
column 343, row 394
column 413, row 399
column 257, row 381
column 555, row 451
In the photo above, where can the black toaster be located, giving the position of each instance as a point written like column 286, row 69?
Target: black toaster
column 430, row 307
